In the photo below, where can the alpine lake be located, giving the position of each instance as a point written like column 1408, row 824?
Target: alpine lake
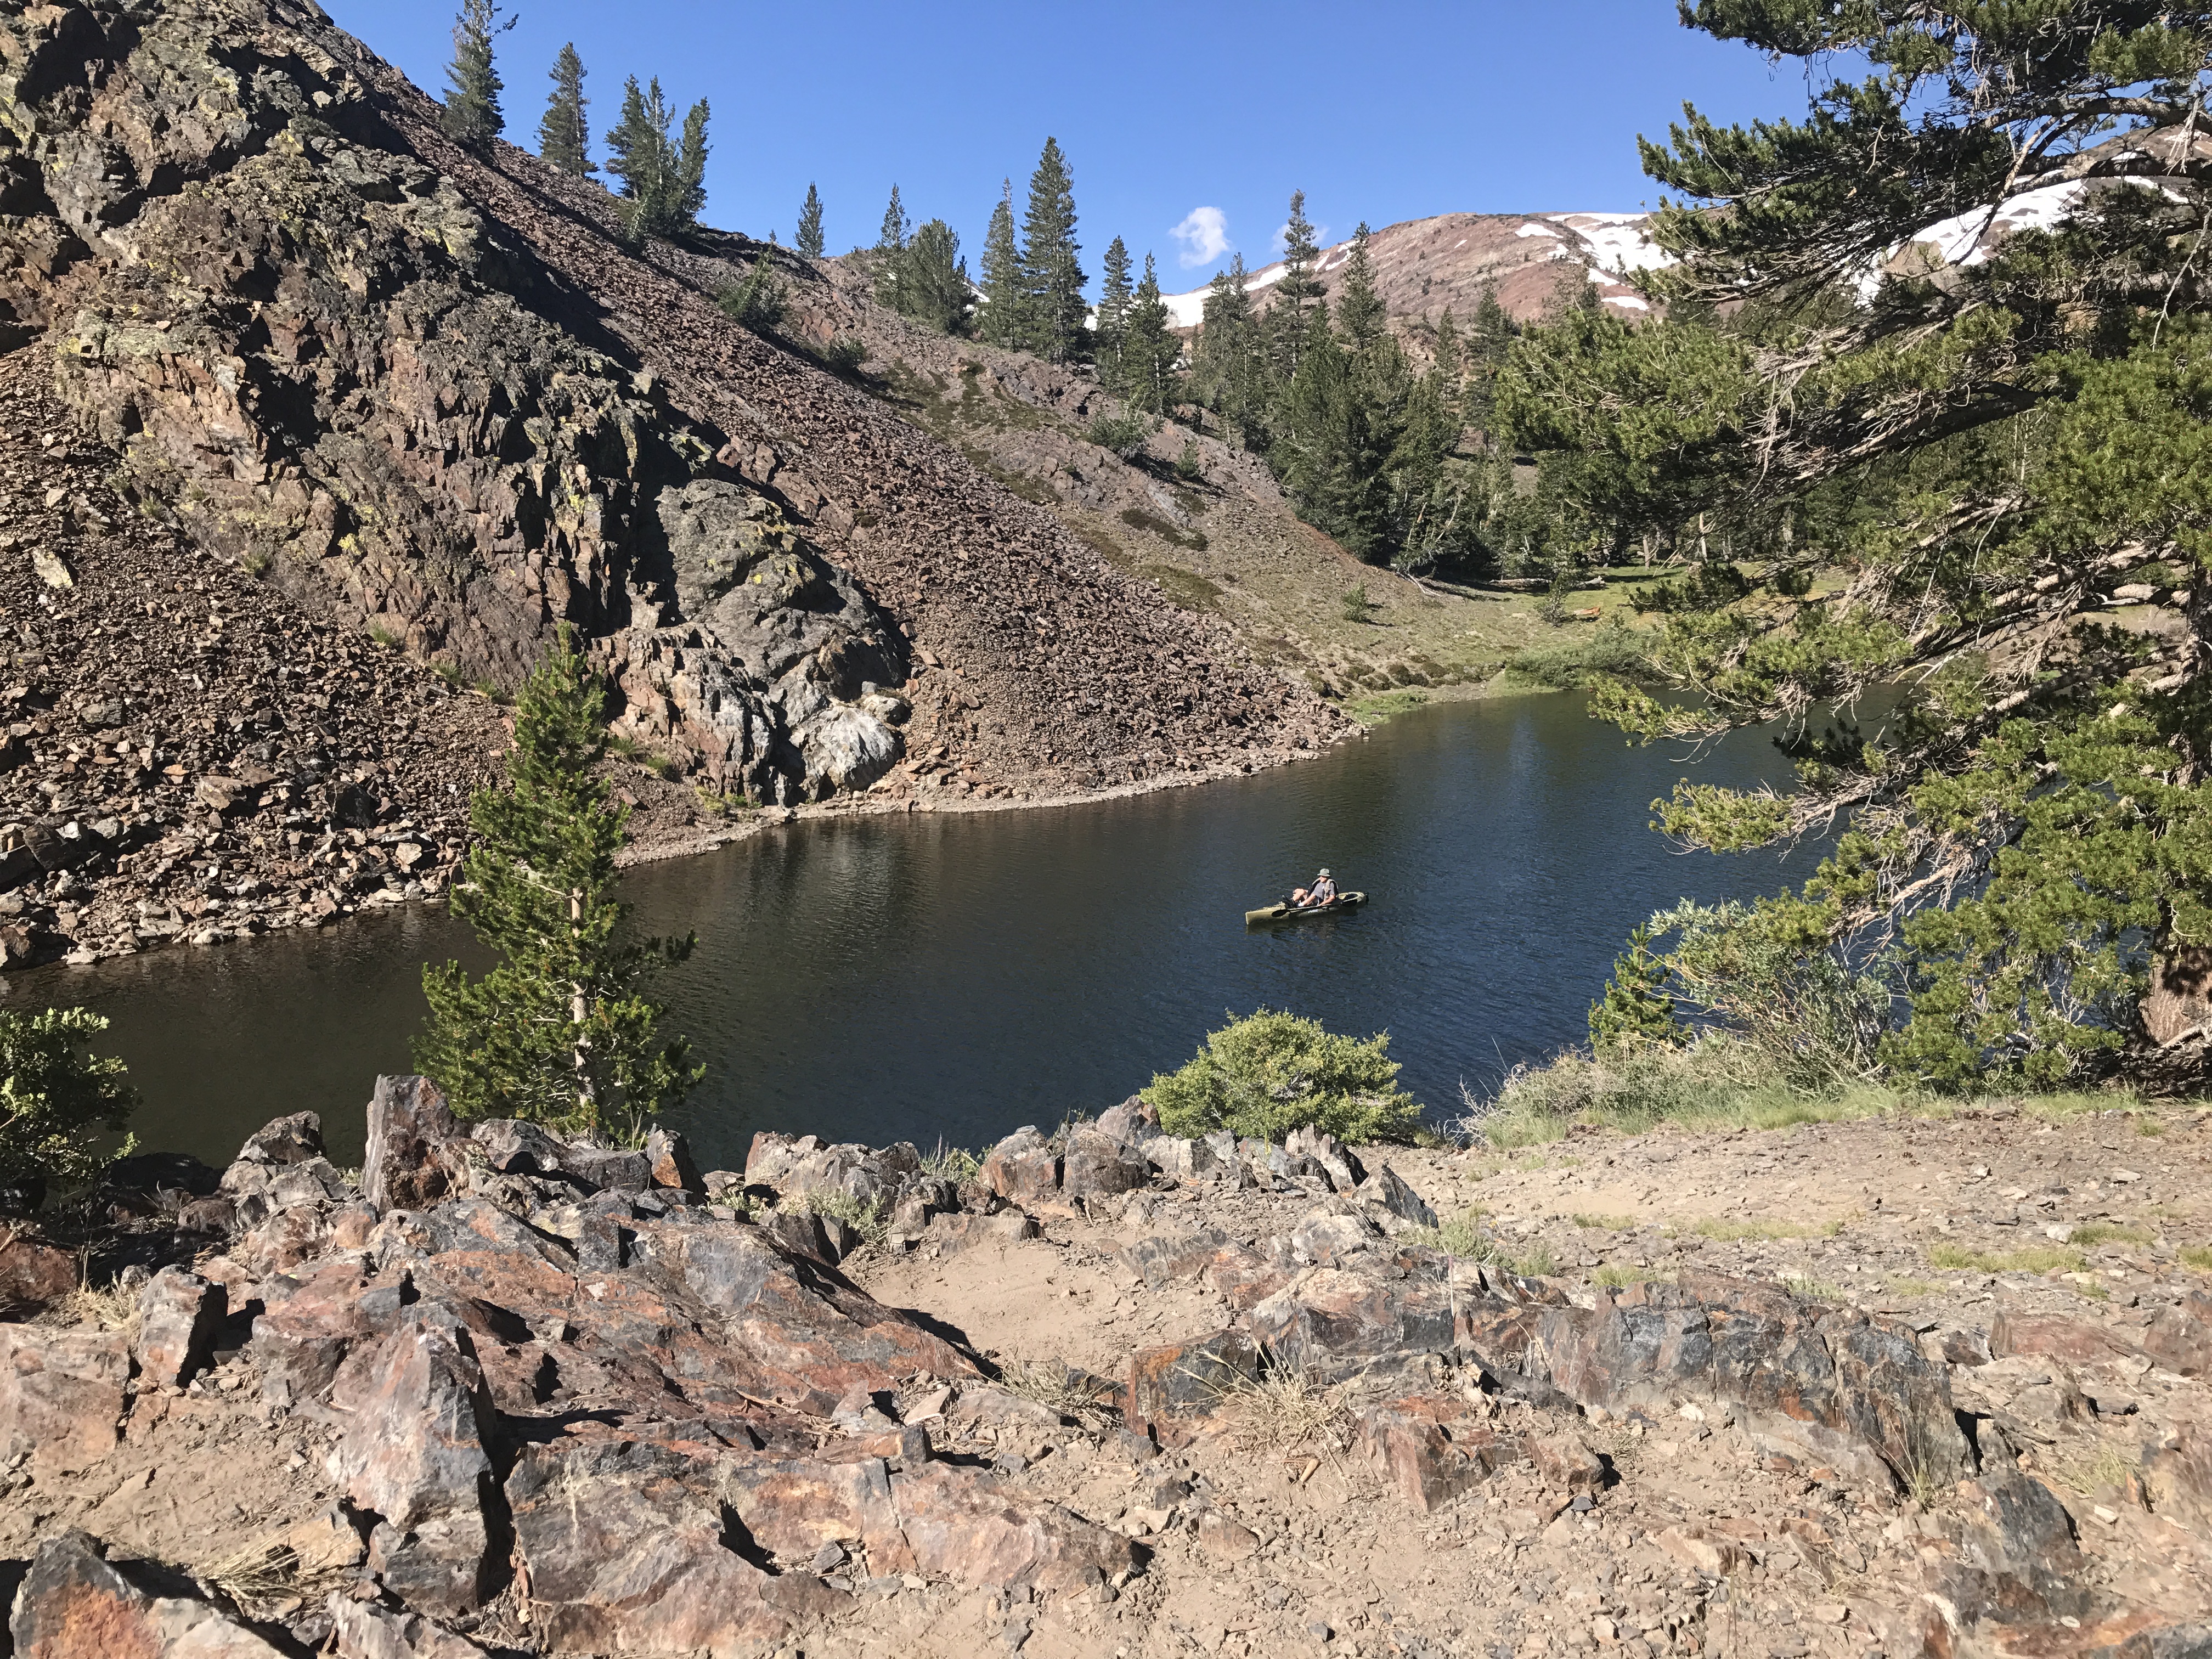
column 950, row 977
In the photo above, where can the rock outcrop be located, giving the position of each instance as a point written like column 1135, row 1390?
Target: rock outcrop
column 424, row 395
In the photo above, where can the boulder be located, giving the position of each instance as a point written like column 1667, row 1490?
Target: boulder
column 668, row 1156
column 1022, row 1168
column 410, row 1164
column 2180, row 1338
column 1166, row 1258
column 32, row 1275
column 970, row 1527
column 2018, row 1560
column 1330, row 1236
column 2076, row 1341
column 61, row 1393
column 365, row 1630
column 178, row 1315
column 1132, row 1122
column 293, row 1139
column 1099, row 1165
column 74, row 1605
column 416, row 1409
column 608, row 1169
column 1336, row 1161
column 1331, row 1324
column 1180, row 1159
column 952, row 1234
column 624, row 1549
column 1431, row 1448
column 515, row 1146
column 1387, row 1195
column 1190, row 1379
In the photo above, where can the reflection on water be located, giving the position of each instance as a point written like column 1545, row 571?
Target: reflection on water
column 925, row 976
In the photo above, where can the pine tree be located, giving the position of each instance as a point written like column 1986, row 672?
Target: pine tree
column 1151, row 350
column 691, row 167
column 472, row 117
column 926, row 279
column 1993, row 454
column 892, row 241
column 1636, row 1009
column 664, row 185
column 810, row 225
column 1489, row 341
column 1002, row 321
column 1359, row 310
column 558, row 1032
column 1052, row 280
column 1298, row 289
column 1230, row 368
column 564, row 139
column 1112, row 327
column 1450, row 364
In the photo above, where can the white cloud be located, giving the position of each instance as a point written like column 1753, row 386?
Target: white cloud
column 1204, row 236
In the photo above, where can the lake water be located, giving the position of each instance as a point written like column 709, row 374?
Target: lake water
column 955, row 976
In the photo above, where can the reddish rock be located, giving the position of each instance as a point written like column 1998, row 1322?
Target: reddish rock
column 668, row 1156
column 2077, row 1341
column 32, row 1275
column 1331, row 1324
column 622, row 1549
column 2180, row 1338
column 952, row 1234
column 1431, row 1449
column 1022, row 1168
column 1164, row 1258
column 794, row 1508
column 409, row 1163
column 1097, row 1165
column 1566, row 1461
column 972, row 1528
column 2017, row 1558
column 179, row 1313
column 73, row 1605
column 61, row 1393
column 1225, row 1539
column 1189, row 1379
column 415, row 1407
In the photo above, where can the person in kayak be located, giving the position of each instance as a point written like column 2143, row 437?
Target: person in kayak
column 1324, row 891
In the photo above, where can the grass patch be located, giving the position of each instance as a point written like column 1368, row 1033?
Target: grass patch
column 2196, row 1256
column 1617, row 1276
column 1284, row 1410
column 833, row 1204
column 2092, row 1290
column 2150, row 1127
column 1612, row 1224
column 1722, row 1230
column 952, row 1164
column 1184, row 588
column 2106, row 1232
column 1058, row 1386
column 1381, row 706
column 1815, row 1290
column 1613, row 652
column 2037, row 1259
column 2105, row 1469
column 1136, row 519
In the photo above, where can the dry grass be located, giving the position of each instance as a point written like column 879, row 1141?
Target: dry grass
column 2037, row 1259
column 2196, row 1256
column 109, row 1306
column 271, row 1574
column 1815, row 1290
column 1612, row 1224
column 2108, row 1469
column 1915, row 1287
column 2104, row 1232
column 1286, row 1411
column 1057, row 1386
column 1618, row 1276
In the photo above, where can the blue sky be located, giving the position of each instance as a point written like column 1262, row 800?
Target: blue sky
column 1383, row 111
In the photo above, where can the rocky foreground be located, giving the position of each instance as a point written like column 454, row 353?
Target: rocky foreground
column 495, row 1393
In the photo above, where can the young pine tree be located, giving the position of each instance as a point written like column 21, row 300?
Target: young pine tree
column 930, row 279
column 664, row 185
column 810, row 225
column 891, row 239
column 1113, row 325
column 558, row 1032
column 1359, row 310
column 472, row 117
column 564, row 140
column 1230, row 368
column 1151, row 349
column 1001, row 321
column 1052, row 280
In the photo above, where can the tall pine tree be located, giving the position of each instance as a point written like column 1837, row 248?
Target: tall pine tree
column 1151, row 348
column 1359, row 310
column 564, row 140
column 559, row 1030
column 1052, row 280
column 1230, row 368
column 691, row 166
column 665, row 185
column 890, row 240
column 1113, row 325
column 1002, row 321
column 810, row 225
column 1298, row 289
column 472, row 117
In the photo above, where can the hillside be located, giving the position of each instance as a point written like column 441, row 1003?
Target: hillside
column 355, row 380
column 1424, row 267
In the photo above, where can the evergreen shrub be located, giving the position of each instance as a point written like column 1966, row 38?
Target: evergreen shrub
column 1271, row 1073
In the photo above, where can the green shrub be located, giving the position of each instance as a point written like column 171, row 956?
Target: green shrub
column 1269, row 1073
column 757, row 302
column 1358, row 607
column 57, row 1101
column 844, row 354
column 833, row 1204
column 1123, row 434
column 1189, row 466
column 1615, row 650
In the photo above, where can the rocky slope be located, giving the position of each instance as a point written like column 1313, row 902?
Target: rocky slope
column 419, row 394
column 1425, row 267
column 501, row 1393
